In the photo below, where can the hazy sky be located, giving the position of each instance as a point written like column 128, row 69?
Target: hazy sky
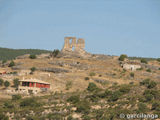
column 108, row 26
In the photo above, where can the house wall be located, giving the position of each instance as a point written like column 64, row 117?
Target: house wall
column 131, row 67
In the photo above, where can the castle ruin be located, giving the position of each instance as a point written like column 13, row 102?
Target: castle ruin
column 71, row 44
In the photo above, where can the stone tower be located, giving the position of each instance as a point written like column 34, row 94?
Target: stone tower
column 71, row 44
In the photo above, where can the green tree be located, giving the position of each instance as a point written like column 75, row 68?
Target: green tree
column 16, row 82
column 142, row 107
column 55, row 53
column 32, row 56
column 143, row 60
column 156, row 106
column 11, row 64
column 1, row 82
column 152, row 84
column 132, row 74
column 92, row 87
column 148, row 70
column 33, row 69
column 122, row 57
column 86, row 78
column 6, row 84
column 74, row 99
column 16, row 97
column 92, row 74
column 32, row 102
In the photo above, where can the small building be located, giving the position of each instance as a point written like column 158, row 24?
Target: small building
column 33, row 86
column 131, row 67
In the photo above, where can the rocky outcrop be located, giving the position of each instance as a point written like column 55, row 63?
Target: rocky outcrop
column 54, row 70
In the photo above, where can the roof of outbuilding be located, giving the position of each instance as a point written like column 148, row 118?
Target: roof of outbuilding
column 34, row 80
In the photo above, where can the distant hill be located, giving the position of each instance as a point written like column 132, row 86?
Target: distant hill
column 8, row 54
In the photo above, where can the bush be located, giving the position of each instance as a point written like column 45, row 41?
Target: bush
column 3, row 117
column 115, row 96
column 145, row 82
column 144, row 61
column 32, row 56
column 16, row 82
column 68, row 85
column 132, row 74
column 148, row 97
column 92, row 74
column 83, row 107
column 54, row 116
column 156, row 106
column 122, row 57
column 152, row 84
column 29, row 102
column 158, row 59
column 6, row 84
column 32, row 70
column 124, row 89
column 11, row 64
column 142, row 107
column 74, row 99
column 148, row 70
column 16, row 97
column 8, row 105
column 92, row 87
column 1, row 82
column 149, row 84
column 86, row 78
column 55, row 53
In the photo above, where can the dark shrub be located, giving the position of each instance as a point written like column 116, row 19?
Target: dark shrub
column 3, row 117
column 108, row 93
column 6, row 84
column 54, row 116
column 142, row 107
column 86, row 78
column 33, row 69
column 156, row 106
column 55, row 53
column 152, row 84
column 92, row 74
column 122, row 57
column 115, row 96
column 148, row 97
column 31, row 102
column 16, row 82
column 148, row 70
column 92, row 87
column 73, row 99
column 32, row 56
column 1, row 82
column 144, row 61
column 132, row 74
column 83, row 107
column 124, row 88
column 158, row 59
column 8, row 105
column 16, row 97
column 11, row 64
column 145, row 82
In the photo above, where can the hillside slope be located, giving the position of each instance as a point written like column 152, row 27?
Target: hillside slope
column 8, row 54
